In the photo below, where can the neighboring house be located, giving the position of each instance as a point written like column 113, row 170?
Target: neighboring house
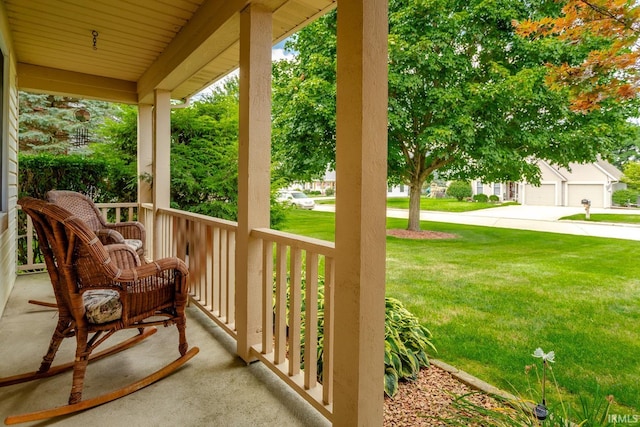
column 328, row 181
column 560, row 186
column 401, row 190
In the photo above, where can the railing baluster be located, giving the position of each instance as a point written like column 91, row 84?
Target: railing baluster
column 327, row 346
column 311, row 322
column 208, row 280
column 267, row 297
column 223, row 290
column 29, row 241
column 217, row 279
column 295, row 307
column 231, row 278
column 281, row 303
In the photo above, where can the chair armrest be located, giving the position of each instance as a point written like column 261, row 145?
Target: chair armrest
column 129, row 230
column 109, row 236
column 123, row 255
column 143, row 278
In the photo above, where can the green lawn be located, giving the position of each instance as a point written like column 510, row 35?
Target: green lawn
column 619, row 218
column 427, row 204
column 492, row 296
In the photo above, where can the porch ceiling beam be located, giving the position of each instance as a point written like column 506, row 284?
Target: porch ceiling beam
column 197, row 44
column 34, row 78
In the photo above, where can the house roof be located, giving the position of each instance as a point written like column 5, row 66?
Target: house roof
column 553, row 169
column 121, row 50
column 613, row 172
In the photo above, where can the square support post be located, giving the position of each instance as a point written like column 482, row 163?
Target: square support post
column 254, row 163
column 145, row 168
column 361, row 168
column 161, row 161
column 145, row 151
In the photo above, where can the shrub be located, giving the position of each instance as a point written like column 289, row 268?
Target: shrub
column 406, row 343
column 329, row 192
column 459, row 190
column 95, row 176
column 494, row 199
column 482, row 198
column 624, row 197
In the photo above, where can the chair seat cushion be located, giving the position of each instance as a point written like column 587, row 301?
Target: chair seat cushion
column 134, row 244
column 102, row 306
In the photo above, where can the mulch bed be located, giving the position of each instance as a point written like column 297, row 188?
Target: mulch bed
column 419, row 235
column 426, row 400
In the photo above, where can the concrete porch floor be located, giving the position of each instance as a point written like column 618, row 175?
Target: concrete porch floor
column 215, row 388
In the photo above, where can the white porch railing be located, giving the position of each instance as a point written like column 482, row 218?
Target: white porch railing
column 293, row 321
column 208, row 246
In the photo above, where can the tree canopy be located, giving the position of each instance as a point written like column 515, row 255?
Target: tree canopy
column 50, row 123
column 604, row 33
column 468, row 98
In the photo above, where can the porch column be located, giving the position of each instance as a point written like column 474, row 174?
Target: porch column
column 254, row 160
column 145, row 151
column 161, row 160
column 361, row 168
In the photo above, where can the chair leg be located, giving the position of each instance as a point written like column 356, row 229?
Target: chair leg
column 56, row 339
column 182, row 336
column 79, row 365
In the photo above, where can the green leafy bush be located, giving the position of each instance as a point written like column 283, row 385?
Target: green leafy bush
column 406, row 343
column 329, row 192
column 625, row 197
column 482, row 198
column 459, row 190
column 494, row 199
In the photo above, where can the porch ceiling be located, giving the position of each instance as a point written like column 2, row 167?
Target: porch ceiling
column 141, row 45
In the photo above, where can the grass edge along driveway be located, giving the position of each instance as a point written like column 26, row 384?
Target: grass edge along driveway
column 493, row 295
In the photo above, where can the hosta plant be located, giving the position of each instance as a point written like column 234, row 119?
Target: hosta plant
column 406, row 345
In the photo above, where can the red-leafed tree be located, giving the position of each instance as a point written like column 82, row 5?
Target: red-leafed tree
column 606, row 33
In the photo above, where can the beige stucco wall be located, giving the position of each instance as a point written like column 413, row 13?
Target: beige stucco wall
column 9, row 179
column 588, row 172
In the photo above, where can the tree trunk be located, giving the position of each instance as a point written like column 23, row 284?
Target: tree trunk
column 415, row 190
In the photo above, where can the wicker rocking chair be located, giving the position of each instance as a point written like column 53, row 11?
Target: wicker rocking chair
column 100, row 290
column 131, row 233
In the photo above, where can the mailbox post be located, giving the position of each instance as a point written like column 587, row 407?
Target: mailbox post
column 587, row 205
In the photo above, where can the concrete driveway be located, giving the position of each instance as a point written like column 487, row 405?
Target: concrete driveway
column 535, row 218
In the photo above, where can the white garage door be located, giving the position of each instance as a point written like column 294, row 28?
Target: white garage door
column 545, row 195
column 593, row 192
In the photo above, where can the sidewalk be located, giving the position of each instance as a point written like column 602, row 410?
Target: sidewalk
column 535, row 218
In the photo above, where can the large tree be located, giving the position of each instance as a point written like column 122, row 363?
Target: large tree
column 468, row 97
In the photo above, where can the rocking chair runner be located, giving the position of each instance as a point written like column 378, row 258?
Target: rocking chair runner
column 132, row 232
column 100, row 290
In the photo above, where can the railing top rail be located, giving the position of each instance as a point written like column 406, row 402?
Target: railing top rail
column 117, row 205
column 318, row 246
column 204, row 219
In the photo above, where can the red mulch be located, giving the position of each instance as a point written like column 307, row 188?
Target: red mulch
column 422, row 402
column 422, row 234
